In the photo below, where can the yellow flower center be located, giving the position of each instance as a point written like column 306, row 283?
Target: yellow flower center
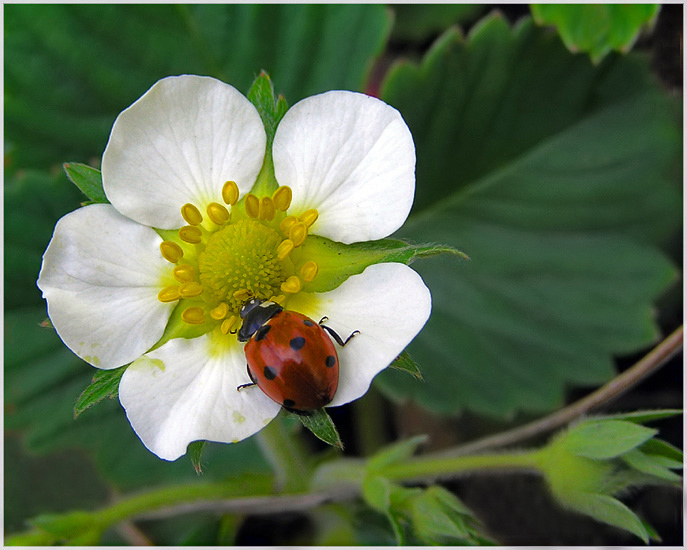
column 226, row 255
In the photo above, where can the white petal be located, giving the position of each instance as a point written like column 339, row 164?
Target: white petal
column 388, row 303
column 186, row 391
column 101, row 275
column 179, row 143
column 352, row 158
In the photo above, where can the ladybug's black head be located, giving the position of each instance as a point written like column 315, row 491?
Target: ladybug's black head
column 255, row 313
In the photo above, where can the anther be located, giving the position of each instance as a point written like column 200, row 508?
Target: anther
column 230, row 193
column 291, row 285
column 309, row 217
column 242, row 295
column 287, row 223
column 190, row 234
column 220, row 312
column 228, row 324
column 183, row 273
column 191, row 289
column 282, row 198
column 193, row 316
column 252, row 204
column 278, row 299
column 191, row 214
column 169, row 294
column 171, row 251
column 218, row 213
column 309, row 271
column 298, row 233
column 266, row 209
column 284, row 249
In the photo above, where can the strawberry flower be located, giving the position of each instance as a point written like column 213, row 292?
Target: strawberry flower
column 204, row 212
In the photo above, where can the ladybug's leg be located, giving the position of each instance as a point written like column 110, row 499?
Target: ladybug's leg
column 336, row 337
column 250, row 375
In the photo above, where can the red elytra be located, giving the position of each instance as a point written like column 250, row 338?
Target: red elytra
column 290, row 357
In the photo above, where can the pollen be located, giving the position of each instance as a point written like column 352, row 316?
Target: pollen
column 171, row 251
column 220, row 312
column 230, row 193
column 282, row 198
column 218, row 213
column 252, row 205
column 183, row 273
column 309, row 271
column 286, row 224
column 284, row 249
column 291, row 285
column 298, row 233
column 191, row 289
column 169, row 294
column 191, row 214
column 190, row 234
column 193, row 316
column 266, row 209
column 309, row 217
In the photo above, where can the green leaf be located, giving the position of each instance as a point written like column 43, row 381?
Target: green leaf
column 105, row 384
column 195, row 453
column 601, row 439
column 609, row 510
column 642, row 417
column 528, row 162
column 417, row 22
column 338, row 261
column 87, row 179
column 597, row 28
column 321, row 425
column 378, row 492
column 652, row 465
column 395, row 453
column 70, row 69
column 405, row 363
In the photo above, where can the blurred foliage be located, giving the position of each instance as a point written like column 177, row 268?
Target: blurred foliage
column 558, row 177
column 597, row 28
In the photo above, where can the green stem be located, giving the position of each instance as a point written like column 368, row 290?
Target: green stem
column 430, row 468
column 287, row 454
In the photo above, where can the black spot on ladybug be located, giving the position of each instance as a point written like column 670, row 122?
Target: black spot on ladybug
column 262, row 332
column 330, row 361
column 288, row 403
column 308, row 323
column 297, row 343
column 270, row 373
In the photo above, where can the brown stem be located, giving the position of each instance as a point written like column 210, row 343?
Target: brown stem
column 650, row 363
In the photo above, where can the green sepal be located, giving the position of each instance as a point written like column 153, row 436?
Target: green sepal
column 658, row 447
column 88, row 179
column 654, row 465
column 271, row 110
column 338, row 261
column 405, row 363
column 641, row 417
column 195, row 452
column 105, row 384
column 599, row 439
column 322, row 426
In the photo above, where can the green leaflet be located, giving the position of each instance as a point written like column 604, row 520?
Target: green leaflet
column 105, row 384
column 528, row 162
column 597, row 28
column 87, row 179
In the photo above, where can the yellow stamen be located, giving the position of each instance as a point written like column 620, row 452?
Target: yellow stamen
column 169, row 294
column 278, row 299
column 282, row 198
column 284, row 249
column 228, row 324
column 309, row 217
column 298, row 233
column 242, row 294
column 220, row 312
column 287, row 223
column 252, row 205
column 218, row 213
column 183, row 273
column 230, row 193
column 191, row 289
column 191, row 214
column 266, row 209
column 308, row 271
column 291, row 285
column 171, row 252
column 190, row 234
column 193, row 316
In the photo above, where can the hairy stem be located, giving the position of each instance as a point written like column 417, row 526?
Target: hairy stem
column 285, row 451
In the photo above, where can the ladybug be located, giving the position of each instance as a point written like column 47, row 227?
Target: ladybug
column 291, row 358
